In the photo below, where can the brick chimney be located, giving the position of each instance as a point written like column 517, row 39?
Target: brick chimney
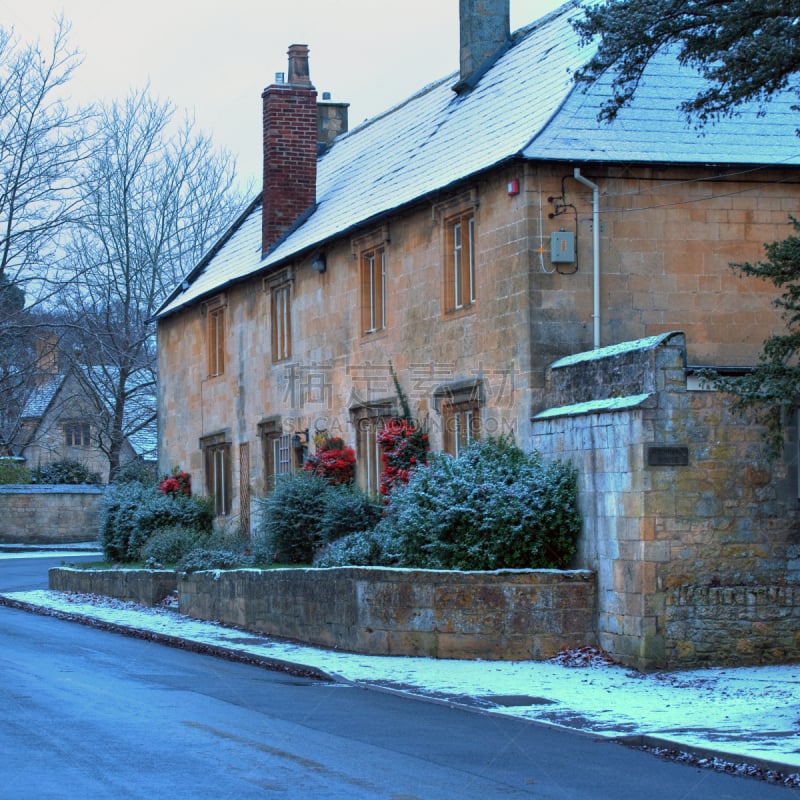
column 290, row 148
column 485, row 28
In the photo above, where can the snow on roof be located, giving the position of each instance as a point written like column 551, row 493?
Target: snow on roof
column 648, row 343
column 430, row 141
column 595, row 406
column 41, row 397
column 140, row 405
column 525, row 105
column 654, row 129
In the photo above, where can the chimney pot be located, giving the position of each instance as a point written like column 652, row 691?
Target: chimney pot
column 298, row 65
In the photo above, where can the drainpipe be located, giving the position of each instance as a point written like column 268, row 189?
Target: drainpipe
column 595, row 251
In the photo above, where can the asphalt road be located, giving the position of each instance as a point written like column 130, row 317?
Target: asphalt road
column 90, row 714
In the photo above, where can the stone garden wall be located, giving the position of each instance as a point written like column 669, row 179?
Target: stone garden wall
column 147, row 587
column 502, row 615
column 514, row 614
column 44, row 514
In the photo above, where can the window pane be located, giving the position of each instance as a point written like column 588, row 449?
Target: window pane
column 281, row 324
column 457, row 258
column 471, row 261
column 216, row 341
column 382, row 294
column 373, row 290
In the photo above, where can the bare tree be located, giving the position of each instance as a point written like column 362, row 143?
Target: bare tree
column 42, row 143
column 155, row 195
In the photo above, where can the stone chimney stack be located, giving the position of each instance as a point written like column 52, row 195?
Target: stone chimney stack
column 485, row 27
column 331, row 119
column 290, row 148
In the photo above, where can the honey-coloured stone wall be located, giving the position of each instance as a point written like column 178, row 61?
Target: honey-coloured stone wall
column 503, row 615
column 45, row 514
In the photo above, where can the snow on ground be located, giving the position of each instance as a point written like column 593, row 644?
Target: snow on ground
column 744, row 715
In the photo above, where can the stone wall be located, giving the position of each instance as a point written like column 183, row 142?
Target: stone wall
column 675, row 491
column 49, row 514
column 502, row 615
column 732, row 625
column 144, row 586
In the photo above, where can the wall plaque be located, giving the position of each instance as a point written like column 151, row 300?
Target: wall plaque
column 668, row 456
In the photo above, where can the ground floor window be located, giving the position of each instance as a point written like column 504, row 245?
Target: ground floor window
column 278, row 453
column 369, row 421
column 461, row 409
column 217, row 461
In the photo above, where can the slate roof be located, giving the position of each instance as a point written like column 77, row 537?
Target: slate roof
column 41, row 398
column 525, row 105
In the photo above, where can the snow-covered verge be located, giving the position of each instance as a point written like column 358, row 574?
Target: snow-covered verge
column 744, row 720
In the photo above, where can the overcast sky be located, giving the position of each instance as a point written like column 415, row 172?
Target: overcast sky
column 214, row 57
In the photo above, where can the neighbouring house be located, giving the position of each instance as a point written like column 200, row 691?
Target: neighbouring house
column 525, row 270
column 66, row 419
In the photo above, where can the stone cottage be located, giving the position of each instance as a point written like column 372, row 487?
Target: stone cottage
column 67, row 419
column 481, row 238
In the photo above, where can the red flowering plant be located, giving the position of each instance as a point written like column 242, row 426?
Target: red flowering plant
column 179, row 484
column 332, row 460
column 404, row 445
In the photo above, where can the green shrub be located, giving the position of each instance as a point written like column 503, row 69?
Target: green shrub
column 136, row 471
column 118, row 518
column 304, row 512
column 370, row 548
column 493, row 507
column 13, row 471
column 170, row 545
column 132, row 513
column 204, row 558
column 346, row 509
column 290, row 519
column 66, row 472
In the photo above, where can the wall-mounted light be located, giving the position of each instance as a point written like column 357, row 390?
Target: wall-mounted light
column 319, row 263
column 299, row 439
column 512, row 187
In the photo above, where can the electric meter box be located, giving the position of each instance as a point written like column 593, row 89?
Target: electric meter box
column 562, row 247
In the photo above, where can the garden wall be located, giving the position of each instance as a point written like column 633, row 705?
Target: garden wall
column 144, row 586
column 502, row 615
column 49, row 514
column 511, row 615
column 732, row 625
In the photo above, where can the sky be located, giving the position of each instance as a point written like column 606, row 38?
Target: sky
column 743, row 715
column 213, row 59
